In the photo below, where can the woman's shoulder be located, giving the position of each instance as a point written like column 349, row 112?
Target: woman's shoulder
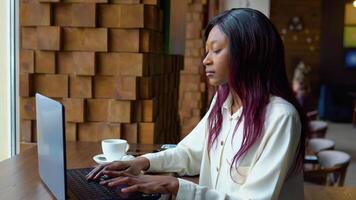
column 278, row 106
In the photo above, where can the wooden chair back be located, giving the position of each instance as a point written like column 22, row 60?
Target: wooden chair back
column 332, row 170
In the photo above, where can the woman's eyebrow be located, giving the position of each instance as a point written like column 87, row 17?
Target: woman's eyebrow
column 210, row 43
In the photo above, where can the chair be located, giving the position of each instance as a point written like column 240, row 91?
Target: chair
column 314, row 146
column 320, row 144
column 318, row 128
column 332, row 171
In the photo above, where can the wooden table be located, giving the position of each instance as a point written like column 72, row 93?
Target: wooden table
column 329, row 193
column 19, row 177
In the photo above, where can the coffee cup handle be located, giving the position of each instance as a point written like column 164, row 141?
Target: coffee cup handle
column 127, row 147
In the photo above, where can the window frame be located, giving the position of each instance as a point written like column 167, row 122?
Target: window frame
column 13, row 77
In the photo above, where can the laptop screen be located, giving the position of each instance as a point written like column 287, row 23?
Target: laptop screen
column 51, row 145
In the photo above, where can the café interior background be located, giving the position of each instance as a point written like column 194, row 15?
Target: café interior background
column 132, row 68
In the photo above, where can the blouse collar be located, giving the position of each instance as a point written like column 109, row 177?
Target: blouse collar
column 227, row 107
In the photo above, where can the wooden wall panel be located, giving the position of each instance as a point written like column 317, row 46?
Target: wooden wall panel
column 28, row 38
column 27, row 61
column 28, row 108
column 85, row 39
column 78, row 63
column 115, row 87
column 74, row 109
column 124, row 40
column 129, row 16
column 130, row 132
column 75, row 15
column 26, row 87
column 98, row 110
column 123, row 64
column 121, row 111
column 49, row 38
column 51, row 85
column 84, row 63
column 71, row 131
column 190, row 80
column 26, row 130
column 45, row 62
column 104, row 61
column 80, row 86
column 35, row 14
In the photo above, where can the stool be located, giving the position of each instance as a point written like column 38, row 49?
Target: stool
column 318, row 128
column 332, row 171
column 320, row 144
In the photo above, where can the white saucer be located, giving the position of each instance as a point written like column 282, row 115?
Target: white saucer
column 101, row 159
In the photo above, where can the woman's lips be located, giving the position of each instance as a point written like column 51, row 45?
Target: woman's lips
column 209, row 73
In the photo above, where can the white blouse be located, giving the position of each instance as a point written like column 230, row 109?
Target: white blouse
column 261, row 173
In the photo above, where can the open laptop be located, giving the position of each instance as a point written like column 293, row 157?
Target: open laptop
column 63, row 183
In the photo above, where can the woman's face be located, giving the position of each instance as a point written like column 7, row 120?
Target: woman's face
column 217, row 57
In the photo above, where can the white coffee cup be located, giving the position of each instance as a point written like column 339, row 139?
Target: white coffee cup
column 114, row 149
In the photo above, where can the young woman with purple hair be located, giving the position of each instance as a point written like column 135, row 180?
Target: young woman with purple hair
column 250, row 144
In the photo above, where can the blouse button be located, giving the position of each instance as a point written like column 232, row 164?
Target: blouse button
column 221, row 143
column 217, row 169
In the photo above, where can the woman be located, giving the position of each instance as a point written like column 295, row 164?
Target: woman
column 250, row 144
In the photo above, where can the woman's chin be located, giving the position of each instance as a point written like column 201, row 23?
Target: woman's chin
column 215, row 82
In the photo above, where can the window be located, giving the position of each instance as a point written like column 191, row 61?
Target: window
column 8, row 91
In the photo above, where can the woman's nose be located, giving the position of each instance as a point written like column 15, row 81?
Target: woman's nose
column 207, row 60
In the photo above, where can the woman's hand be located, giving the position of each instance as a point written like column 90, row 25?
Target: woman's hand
column 148, row 184
column 133, row 167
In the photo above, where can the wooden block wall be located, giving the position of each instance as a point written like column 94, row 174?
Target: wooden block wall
column 104, row 61
column 192, row 86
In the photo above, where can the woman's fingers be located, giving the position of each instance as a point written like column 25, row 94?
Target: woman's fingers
column 119, row 181
column 118, row 165
column 124, row 178
column 98, row 171
column 132, row 188
column 113, row 174
column 94, row 172
column 126, row 166
column 140, row 183
column 116, row 173
column 110, row 166
column 147, row 188
column 99, row 174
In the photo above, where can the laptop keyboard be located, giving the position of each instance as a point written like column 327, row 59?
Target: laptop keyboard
column 83, row 189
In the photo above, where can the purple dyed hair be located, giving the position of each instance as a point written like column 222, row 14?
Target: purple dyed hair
column 257, row 70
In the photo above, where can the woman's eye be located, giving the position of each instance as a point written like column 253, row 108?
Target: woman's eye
column 217, row 51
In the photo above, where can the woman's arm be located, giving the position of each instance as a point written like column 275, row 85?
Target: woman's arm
column 186, row 158
column 267, row 175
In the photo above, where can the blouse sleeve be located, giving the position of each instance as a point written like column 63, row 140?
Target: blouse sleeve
column 268, row 174
column 185, row 159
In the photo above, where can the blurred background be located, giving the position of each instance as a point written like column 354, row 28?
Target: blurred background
column 132, row 69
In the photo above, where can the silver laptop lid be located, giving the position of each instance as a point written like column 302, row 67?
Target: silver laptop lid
column 51, row 145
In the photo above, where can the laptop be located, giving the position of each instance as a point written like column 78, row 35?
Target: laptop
column 63, row 183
